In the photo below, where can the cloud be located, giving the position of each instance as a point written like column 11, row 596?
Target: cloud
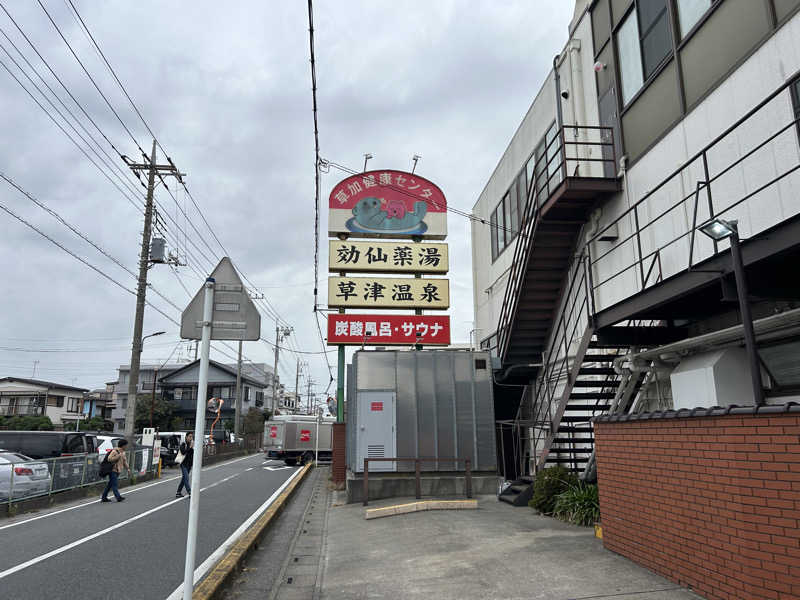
column 227, row 92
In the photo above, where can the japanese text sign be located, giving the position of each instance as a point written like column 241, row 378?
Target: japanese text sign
column 387, row 204
column 388, row 292
column 388, row 330
column 387, row 257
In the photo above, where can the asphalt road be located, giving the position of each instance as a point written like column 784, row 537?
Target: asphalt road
column 134, row 549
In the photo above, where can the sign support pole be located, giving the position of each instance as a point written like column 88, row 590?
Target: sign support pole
column 340, row 386
column 199, row 431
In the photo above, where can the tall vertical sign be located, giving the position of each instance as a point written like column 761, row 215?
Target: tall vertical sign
column 386, row 205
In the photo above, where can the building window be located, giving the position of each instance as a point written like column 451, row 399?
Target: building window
column 630, row 57
column 124, row 403
column 544, row 167
column 643, row 42
column 690, row 12
column 74, row 405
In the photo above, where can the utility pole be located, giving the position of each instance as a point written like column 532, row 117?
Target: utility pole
column 297, row 386
column 237, row 423
column 310, row 404
column 144, row 261
column 281, row 333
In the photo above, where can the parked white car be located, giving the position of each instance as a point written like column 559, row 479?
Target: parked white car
column 105, row 443
column 30, row 477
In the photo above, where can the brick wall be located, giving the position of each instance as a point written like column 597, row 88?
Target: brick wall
column 338, row 458
column 710, row 502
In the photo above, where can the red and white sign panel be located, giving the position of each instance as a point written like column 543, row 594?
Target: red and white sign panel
column 305, row 435
column 376, row 407
column 388, row 330
column 387, row 204
column 273, row 431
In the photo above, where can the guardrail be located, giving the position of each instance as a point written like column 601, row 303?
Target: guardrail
column 417, row 472
column 754, row 161
column 33, row 478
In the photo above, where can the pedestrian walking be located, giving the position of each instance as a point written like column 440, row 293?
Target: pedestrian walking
column 187, row 451
column 119, row 461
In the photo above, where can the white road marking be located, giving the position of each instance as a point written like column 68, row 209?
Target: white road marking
column 215, row 556
column 250, row 469
column 277, row 468
column 89, row 538
column 127, row 491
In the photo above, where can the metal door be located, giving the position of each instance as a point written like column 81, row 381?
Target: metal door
column 609, row 118
column 376, row 430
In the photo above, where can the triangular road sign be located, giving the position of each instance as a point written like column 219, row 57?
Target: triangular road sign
column 235, row 317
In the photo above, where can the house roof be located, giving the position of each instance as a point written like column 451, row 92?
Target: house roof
column 220, row 366
column 47, row 384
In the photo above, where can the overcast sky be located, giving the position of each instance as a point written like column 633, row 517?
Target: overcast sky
column 226, row 90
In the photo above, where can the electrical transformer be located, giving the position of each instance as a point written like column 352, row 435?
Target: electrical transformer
column 420, row 404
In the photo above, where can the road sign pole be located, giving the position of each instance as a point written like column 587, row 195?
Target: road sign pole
column 199, row 431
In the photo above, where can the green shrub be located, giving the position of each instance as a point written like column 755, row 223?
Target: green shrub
column 579, row 504
column 547, row 485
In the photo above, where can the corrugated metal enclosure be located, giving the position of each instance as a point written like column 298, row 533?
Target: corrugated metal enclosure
column 428, row 403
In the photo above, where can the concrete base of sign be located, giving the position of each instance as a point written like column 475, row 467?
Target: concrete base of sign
column 402, row 485
column 402, row 509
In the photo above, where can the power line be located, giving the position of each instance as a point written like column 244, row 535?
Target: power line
column 316, row 150
column 94, row 83
column 80, row 259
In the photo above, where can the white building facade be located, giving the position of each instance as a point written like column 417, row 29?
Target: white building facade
column 660, row 116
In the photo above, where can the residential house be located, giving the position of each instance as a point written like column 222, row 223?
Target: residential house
column 62, row 403
column 181, row 387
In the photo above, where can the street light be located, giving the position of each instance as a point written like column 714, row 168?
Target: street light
column 153, row 335
column 718, row 230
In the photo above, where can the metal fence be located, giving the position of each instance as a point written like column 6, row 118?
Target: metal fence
column 30, row 479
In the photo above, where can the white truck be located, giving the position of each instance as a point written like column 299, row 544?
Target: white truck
column 293, row 438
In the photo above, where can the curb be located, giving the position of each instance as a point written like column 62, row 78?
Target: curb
column 228, row 564
column 402, row 509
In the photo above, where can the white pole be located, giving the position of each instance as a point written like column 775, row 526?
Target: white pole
column 316, row 442
column 199, row 432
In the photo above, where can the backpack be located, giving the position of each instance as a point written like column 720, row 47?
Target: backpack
column 106, row 467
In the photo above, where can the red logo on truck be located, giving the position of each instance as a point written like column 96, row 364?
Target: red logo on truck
column 305, row 435
column 273, row 431
column 376, row 407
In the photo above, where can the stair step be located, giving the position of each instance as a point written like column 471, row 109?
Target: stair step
column 588, row 383
column 589, row 358
column 573, row 440
column 607, row 346
column 592, row 396
column 577, row 459
column 596, row 371
column 567, row 429
column 576, row 419
column 587, row 407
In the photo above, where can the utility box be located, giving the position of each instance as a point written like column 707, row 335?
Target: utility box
column 421, row 404
column 158, row 250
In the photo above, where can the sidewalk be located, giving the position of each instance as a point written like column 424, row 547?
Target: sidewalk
column 323, row 549
column 497, row 551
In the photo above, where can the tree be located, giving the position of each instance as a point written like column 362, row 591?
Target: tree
column 95, row 424
column 163, row 412
column 254, row 421
column 27, row 423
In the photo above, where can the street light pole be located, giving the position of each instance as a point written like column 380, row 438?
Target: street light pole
column 719, row 229
column 747, row 319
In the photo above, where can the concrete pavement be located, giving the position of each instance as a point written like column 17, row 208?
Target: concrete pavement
column 133, row 549
column 497, row 551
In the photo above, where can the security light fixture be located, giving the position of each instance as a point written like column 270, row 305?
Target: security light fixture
column 719, row 229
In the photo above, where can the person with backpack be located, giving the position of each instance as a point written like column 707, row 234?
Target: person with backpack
column 185, row 458
column 117, row 459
